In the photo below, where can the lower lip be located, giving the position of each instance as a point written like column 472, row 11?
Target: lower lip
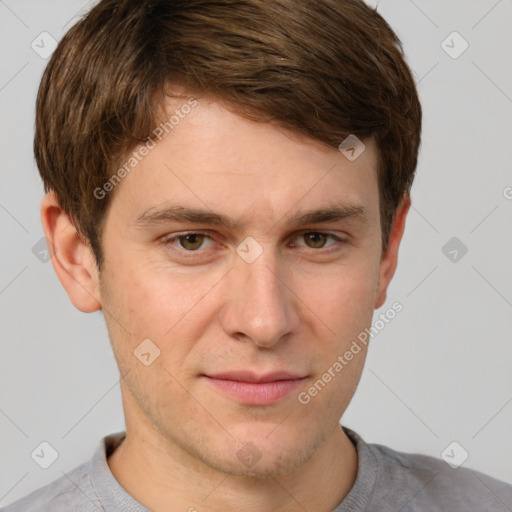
column 252, row 393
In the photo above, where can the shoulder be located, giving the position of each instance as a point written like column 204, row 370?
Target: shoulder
column 72, row 491
column 423, row 482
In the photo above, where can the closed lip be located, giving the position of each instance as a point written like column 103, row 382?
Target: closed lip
column 249, row 376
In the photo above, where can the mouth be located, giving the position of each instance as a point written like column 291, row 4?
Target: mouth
column 249, row 388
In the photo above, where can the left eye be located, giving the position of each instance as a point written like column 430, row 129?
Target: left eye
column 317, row 239
column 192, row 242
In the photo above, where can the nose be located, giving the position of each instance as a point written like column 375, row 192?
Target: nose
column 259, row 302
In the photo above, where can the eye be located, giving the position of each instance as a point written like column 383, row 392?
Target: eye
column 318, row 239
column 189, row 242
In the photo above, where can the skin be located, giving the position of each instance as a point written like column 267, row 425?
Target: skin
column 297, row 307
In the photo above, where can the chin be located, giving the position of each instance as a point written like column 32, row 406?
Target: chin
column 271, row 464
column 266, row 450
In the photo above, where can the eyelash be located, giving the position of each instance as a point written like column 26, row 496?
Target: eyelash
column 168, row 242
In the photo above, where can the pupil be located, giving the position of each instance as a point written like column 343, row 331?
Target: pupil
column 316, row 238
column 192, row 240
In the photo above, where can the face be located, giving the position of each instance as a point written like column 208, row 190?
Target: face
column 210, row 255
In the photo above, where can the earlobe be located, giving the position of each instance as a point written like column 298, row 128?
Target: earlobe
column 71, row 256
column 389, row 260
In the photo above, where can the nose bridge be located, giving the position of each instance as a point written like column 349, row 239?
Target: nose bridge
column 260, row 307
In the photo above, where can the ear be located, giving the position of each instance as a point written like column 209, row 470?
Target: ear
column 389, row 259
column 72, row 257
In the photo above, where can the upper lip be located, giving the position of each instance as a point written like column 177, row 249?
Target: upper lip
column 248, row 376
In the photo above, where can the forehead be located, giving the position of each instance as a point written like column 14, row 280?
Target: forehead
column 210, row 158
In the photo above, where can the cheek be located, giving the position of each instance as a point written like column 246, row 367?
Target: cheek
column 345, row 310
column 160, row 305
column 154, row 299
column 343, row 300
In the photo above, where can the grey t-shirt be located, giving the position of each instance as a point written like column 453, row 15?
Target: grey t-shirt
column 386, row 481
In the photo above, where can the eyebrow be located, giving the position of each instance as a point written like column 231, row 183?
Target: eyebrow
column 176, row 213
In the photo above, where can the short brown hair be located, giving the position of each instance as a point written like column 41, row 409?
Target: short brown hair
column 322, row 68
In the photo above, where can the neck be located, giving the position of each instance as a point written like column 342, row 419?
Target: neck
column 158, row 473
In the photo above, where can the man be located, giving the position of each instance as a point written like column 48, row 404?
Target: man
column 229, row 183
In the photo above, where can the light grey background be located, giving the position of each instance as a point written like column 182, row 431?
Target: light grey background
column 439, row 372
